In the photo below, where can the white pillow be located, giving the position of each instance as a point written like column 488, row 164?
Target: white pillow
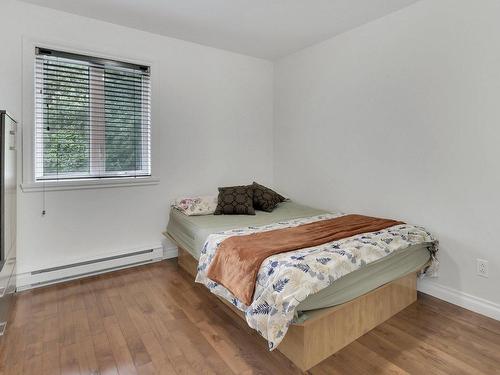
column 202, row 205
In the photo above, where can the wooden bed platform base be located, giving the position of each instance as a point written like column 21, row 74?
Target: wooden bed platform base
column 328, row 330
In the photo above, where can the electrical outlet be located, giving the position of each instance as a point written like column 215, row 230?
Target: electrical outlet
column 482, row 267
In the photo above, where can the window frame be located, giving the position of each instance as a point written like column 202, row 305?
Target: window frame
column 28, row 180
column 97, row 124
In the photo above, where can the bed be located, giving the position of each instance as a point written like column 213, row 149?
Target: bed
column 333, row 317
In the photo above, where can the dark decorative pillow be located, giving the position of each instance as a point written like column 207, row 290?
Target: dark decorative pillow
column 264, row 198
column 235, row 200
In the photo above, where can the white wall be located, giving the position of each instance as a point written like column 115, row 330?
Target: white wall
column 401, row 118
column 212, row 118
column 397, row 118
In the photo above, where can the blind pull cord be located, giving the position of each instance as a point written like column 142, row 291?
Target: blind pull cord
column 44, row 211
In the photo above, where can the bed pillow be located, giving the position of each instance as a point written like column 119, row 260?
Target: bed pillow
column 196, row 206
column 235, row 200
column 265, row 199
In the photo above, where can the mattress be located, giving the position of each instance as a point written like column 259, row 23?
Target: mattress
column 376, row 274
column 190, row 232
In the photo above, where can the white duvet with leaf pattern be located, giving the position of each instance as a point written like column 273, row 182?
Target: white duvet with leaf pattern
column 284, row 280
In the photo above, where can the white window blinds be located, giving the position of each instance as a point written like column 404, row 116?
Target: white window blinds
column 92, row 117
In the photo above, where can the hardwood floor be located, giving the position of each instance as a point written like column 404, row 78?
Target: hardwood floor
column 153, row 320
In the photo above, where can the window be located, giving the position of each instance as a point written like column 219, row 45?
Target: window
column 92, row 117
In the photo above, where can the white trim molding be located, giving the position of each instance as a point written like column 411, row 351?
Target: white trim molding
column 94, row 183
column 459, row 298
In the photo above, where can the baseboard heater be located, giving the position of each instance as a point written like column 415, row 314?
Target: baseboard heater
column 52, row 275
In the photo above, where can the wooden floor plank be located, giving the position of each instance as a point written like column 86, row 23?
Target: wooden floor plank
column 457, row 346
column 68, row 360
column 161, row 363
column 51, row 358
column 87, row 357
column 104, row 356
column 433, row 355
column 154, row 320
column 359, row 357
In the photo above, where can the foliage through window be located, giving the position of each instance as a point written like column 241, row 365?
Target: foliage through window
column 92, row 117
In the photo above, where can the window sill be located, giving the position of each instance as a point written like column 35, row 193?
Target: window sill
column 62, row 185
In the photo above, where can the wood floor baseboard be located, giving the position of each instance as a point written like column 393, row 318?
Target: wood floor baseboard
column 328, row 330
column 460, row 298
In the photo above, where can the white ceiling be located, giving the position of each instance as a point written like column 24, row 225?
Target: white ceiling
column 262, row 28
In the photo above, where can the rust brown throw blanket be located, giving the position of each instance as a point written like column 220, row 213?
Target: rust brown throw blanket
column 238, row 259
